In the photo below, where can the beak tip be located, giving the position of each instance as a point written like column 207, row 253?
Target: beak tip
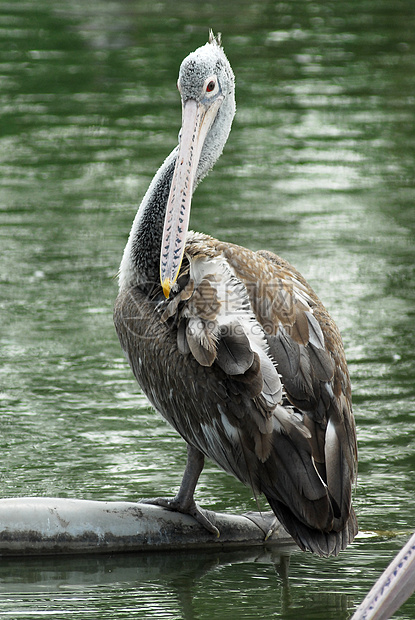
column 166, row 286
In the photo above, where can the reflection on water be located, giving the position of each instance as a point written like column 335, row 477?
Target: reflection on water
column 259, row 583
column 186, row 585
column 319, row 168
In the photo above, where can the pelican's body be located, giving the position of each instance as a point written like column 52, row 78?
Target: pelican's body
column 233, row 347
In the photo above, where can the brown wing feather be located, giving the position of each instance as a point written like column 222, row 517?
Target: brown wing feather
column 309, row 353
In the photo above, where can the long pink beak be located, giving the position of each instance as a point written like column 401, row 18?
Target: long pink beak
column 197, row 120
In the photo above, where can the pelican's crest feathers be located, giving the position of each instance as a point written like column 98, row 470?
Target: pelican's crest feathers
column 215, row 39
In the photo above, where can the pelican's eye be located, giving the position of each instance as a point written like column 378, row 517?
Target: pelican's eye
column 211, row 86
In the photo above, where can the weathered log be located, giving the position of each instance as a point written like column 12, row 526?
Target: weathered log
column 36, row 526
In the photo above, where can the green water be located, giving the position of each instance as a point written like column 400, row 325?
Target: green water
column 319, row 168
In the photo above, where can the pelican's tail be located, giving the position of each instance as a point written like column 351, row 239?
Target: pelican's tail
column 322, row 543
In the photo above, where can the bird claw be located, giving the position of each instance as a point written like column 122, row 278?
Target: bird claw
column 193, row 509
column 200, row 515
column 266, row 521
column 275, row 526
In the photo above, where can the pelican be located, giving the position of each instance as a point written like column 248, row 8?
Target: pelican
column 233, row 347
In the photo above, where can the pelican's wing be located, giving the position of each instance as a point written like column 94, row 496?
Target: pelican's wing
column 308, row 350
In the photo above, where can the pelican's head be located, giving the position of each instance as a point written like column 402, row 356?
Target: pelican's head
column 207, row 87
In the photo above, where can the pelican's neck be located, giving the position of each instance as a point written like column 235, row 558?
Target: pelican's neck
column 141, row 258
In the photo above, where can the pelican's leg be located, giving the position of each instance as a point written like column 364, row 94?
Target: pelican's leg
column 184, row 501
